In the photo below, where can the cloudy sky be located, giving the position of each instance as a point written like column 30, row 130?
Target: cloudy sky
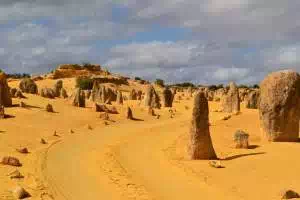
column 202, row 41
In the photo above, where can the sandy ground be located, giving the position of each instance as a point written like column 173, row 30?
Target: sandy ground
column 141, row 159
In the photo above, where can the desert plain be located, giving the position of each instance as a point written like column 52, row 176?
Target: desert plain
column 145, row 158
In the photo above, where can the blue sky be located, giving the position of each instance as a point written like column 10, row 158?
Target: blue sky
column 202, row 41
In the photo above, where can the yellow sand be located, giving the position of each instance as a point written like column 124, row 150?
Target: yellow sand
column 141, row 159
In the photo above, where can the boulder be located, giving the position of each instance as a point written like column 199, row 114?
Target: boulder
column 289, row 194
column 20, row 193
column 279, row 106
column 27, row 85
column 49, row 108
column 47, row 93
column 241, row 139
column 12, row 161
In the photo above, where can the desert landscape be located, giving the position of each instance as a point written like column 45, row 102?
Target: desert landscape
column 132, row 139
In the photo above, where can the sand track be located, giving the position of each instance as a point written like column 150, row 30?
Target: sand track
column 131, row 165
column 145, row 160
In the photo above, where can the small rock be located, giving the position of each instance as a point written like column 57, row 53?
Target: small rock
column 215, row 164
column 20, row 193
column 226, row 117
column 12, row 161
column 71, row 131
column 104, row 116
column 22, row 104
column 55, row 134
column 237, row 113
column 289, row 194
column 43, row 141
column 105, row 123
column 16, row 175
column 89, row 127
column 49, row 108
column 22, row 150
column 157, row 116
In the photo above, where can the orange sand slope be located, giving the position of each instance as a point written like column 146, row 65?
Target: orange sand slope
column 142, row 159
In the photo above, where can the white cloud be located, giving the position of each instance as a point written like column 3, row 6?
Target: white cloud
column 152, row 54
column 254, row 36
column 230, row 74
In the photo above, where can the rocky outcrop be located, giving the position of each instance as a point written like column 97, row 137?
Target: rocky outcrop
column 132, row 95
column 279, row 109
column 57, row 88
column 200, row 143
column 167, row 98
column 5, row 96
column 27, row 85
column 231, row 101
column 47, row 93
column 151, row 98
column 78, row 98
column 251, row 100
column 119, row 98
column 102, row 94
column 129, row 113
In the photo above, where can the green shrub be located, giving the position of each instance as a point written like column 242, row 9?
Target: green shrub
column 255, row 86
column 212, row 87
column 18, row 75
column 160, row 82
column 137, row 78
column 88, row 66
column 84, row 83
column 220, row 86
column 243, row 86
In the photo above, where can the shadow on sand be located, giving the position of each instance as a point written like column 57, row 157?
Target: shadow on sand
column 136, row 119
column 242, row 155
column 6, row 116
column 253, row 146
column 29, row 107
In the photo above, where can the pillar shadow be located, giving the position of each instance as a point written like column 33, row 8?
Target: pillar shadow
column 242, row 155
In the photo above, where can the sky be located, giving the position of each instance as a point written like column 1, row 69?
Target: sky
column 199, row 41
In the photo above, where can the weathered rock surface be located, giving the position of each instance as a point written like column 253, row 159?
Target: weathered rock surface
column 231, row 101
column 279, row 106
column 27, row 85
column 200, row 143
